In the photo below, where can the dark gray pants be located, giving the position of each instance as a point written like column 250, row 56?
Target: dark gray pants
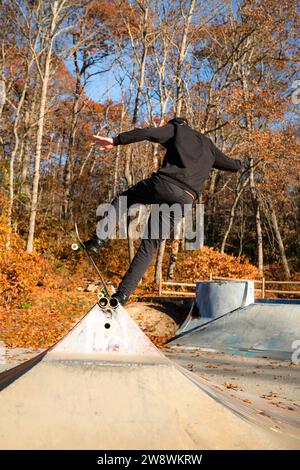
column 154, row 190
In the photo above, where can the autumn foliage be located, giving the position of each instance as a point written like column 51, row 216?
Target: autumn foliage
column 110, row 66
column 199, row 265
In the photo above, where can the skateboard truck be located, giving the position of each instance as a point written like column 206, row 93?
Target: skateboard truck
column 106, row 302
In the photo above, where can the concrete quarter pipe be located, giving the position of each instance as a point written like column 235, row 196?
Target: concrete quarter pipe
column 105, row 386
column 268, row 328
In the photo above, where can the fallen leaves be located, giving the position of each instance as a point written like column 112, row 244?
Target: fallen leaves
column 43, row 326
column 232, row 387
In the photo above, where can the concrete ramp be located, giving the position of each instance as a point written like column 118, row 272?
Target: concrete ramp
column 105, row 386
column 270, row 329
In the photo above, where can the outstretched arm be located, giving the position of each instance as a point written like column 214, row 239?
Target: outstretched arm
column 159, row 135
column 222, row 162
column 154, row 134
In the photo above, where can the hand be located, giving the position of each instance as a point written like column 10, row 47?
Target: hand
column 245, row 165
column 104, row 143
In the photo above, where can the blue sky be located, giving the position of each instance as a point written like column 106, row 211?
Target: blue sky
column 100, row 87
column 105, row 86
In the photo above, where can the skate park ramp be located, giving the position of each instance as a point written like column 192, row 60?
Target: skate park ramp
column 105, row 386
column 269, row 328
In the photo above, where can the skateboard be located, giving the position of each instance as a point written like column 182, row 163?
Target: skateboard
column 106, row 302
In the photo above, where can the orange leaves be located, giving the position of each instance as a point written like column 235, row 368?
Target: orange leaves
column 19, row 271
column 197, row 265
column 231, row 387
column 260, row 101
column 48, row 319
column 38, row 301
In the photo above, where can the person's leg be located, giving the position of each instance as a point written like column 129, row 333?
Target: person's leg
column 138, row 265
column 141, row 193
column 150, row 191
column 161, row 225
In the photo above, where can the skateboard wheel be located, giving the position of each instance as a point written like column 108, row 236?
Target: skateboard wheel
column 103, row 302
column 75, row 246
column 113, row 302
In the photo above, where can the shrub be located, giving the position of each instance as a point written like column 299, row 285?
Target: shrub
column 198, row 264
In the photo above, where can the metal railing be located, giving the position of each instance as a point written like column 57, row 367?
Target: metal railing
column 260, row 286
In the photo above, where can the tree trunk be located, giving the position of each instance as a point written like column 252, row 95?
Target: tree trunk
column 179, row 102
column 67, row 182
column 242, row 232
column 25, row 158
column 12, row 163
column 142, row 69
column 69, row 162
column 40, row 130
column 25, row 165
column 279, row 240
column 128, row 154
column 239, row 192
column 173, row 259
column 118, row 151
column 254, row 195
column 159, row 261
column 183, row 49
column 211, row 208
column 256, row 206
column 2, row 95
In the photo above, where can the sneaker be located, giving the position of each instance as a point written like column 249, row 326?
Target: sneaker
column 121, row 298
column 94, row 244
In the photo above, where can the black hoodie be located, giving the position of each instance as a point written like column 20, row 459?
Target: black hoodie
column 190, row 155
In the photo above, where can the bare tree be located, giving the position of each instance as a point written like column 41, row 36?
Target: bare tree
column 182, row 48
column 49, row 18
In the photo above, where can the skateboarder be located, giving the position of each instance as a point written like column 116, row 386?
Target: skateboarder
column 189, row 158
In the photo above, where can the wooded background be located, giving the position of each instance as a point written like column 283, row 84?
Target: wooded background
column 230, row 67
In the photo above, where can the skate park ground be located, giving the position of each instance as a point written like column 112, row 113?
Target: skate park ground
column 249, row 378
